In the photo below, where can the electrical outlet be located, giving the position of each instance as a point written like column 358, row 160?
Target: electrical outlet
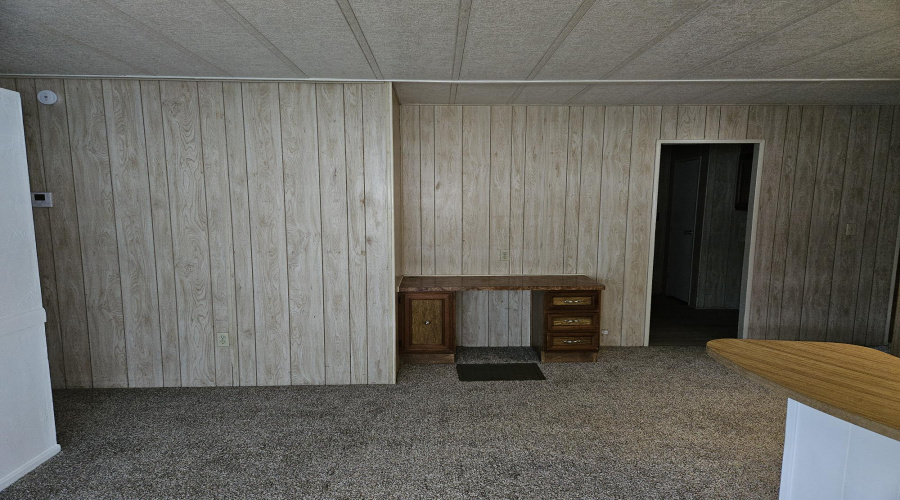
column 851, row 229
column 604, row 332
column 504, row 255
column 222, row 339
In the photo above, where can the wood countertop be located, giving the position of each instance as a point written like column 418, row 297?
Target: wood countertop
column 461, row 283
column 854, row 383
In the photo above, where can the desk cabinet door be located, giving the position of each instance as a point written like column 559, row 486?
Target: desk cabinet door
column 428, row 325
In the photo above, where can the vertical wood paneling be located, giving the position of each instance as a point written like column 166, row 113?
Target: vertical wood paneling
column 854, row 193
column 268, row 212
column 476, row 189
column 573, row 185
column 613, row 220
column 335, row 245
column 356, row 221
column 476, row 212
column 537, row 203
column 713, row 114
column 219, row 225
column 180, row 242
column 97, row 226
column 379, row 234
column 669, row 125
column 134, row 229
column 589, row 198
column 187, row 199
column 57, row 156
column 447, row 189
column 411, row 186
column 801, row 210
column 870, row 230
column 647, row 120
column 733, row 122
column 427, row 158
column 499, row 232
column 613, row 189
column 784, row 221
column 304, row 233
column 166, row 294
column 885, row 257
column 519, row 302
column 245, row 304
column 43, row 240
column 691, row 122
column 768, row 123
column 553, row 250
column 824, row 226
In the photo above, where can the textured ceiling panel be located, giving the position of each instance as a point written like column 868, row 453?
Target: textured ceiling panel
column 843, row 23
column 506, row 38
column 557, row 93
column 27, row 48
column 610, row 32
column 207, row 29
column 411, row 39
column 874, row 56
column 145, row 50
column 423, row 93
column 313, row 34
column 721, row 28
column 484, row 94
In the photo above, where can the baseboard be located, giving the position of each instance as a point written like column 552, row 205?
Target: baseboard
column 28, row 467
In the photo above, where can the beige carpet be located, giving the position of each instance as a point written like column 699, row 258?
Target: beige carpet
column 658, row 422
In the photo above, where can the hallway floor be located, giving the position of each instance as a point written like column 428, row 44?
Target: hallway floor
column 674, row 323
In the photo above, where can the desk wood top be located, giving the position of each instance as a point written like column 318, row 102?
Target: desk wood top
column 854, row 383
column 462, row 283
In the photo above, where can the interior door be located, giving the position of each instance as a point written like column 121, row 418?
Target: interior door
column 682, row 220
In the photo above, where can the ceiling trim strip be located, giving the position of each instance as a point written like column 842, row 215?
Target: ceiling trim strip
column 458, row 82
column 353, row 23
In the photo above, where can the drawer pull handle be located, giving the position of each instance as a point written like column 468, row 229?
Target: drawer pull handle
column 571, row 321
column 571, row 301
column 427, row 322
column 572, row 342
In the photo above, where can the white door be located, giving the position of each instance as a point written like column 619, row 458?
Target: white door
column 683, row 217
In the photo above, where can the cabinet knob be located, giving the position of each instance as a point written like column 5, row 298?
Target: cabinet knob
column 427, row 322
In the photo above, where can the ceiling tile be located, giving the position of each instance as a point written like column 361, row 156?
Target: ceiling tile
column 507, row 38
column 484, row 94
column 313, row 34
column 27, row 49
column 847, row 22
column 721, row 28
column 147, row 52
column 609, row 33
column 411, row 39
column 206, row 29
column 874, row 56
column 548, row 93
column 423, row 93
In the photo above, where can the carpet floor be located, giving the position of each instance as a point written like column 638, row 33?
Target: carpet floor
column 658, row 422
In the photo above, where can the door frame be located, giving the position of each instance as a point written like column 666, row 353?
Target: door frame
column 749, row 240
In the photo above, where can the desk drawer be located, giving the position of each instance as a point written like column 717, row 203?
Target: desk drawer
column 573, row 321
column 557, row 342
column 573, row 301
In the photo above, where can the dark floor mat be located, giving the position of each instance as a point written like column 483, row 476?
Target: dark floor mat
column 484, row 372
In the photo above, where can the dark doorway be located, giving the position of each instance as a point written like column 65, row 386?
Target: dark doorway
column 701, row 226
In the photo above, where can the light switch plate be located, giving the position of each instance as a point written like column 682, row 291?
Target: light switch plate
column 41, row 200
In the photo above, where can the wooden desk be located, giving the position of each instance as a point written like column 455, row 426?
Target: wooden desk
column 565, row 309
column 842, row 436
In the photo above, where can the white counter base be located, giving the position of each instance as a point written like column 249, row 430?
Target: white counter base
column 828, row 458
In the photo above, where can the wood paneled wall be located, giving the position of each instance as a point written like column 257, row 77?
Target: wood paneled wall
column 570, row 190
column 185, row 211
